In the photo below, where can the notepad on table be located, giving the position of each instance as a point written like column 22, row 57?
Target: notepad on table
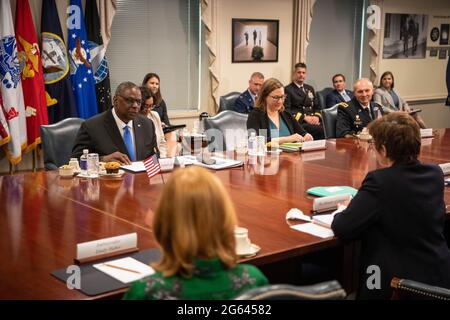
column 314, row 229
column 126, row 270
column 137, row 166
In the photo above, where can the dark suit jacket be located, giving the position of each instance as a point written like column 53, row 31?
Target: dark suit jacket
column 100, row 135
column 399, row 215
column 351, row 117
column 299, row 103
column 244, row 103
column 334, row 97
column 162, row 111
column 259, row 121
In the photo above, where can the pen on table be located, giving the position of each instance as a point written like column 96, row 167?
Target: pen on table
column 120, row 268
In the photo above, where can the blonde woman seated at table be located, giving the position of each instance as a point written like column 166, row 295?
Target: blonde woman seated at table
column 194, row 225
column 271, row 120
column 391, row 100
column 398, row 213
column 166, row 148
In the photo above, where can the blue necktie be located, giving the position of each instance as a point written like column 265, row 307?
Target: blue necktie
column 129, row 143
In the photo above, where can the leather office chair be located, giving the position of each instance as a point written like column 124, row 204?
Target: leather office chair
column 57, row 141
column 226, row 102
column 410, row 289
column 322, row 96
column 329, row 117
column 225, row 129
column 330, row 290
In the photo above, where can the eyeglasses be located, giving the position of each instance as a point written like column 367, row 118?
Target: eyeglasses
column 148, row 106
column 130, row 102
column 277, row 98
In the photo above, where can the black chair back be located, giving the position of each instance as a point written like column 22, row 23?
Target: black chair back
column 322, row 96
column 226, row 102
column 329, row 117
column 330, row 290
column 225, row 129
column 57, row 141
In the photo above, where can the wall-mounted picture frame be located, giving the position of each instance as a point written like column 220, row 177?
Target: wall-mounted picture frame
column 254, row 40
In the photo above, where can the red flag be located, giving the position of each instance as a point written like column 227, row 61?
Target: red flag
column 152, row 166
column 31, row 72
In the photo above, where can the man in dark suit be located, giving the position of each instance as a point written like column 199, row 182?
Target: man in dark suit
column 355, row 115
column 245, row 102
column 121, row 133
column 302, row 103
column 339, row 94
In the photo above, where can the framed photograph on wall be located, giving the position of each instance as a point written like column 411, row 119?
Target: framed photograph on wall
column 405, row 36
column 254, row 40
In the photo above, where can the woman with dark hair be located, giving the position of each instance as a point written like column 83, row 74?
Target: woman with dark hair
column 152, row 81
column 194, row 225
column 398, row 213
column 271, row 120
column 390, row 99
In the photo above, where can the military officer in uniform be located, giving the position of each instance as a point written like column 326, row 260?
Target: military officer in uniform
column 356, row 114
column 302, row 103
column 244, row 103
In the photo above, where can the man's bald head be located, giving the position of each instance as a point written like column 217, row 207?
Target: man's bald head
column 363, row 91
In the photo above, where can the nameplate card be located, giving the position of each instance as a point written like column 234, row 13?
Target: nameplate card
column 105, row 247
column 329, row 203
column 426, row 133
column 445, row 168
column 314, row 145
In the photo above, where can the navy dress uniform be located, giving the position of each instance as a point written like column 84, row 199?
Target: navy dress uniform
column 352, row 117
column 244, row 103
column 301, row 102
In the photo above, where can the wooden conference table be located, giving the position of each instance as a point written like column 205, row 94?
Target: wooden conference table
column 43, row 216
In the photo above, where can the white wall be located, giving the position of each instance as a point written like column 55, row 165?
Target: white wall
column 235, row 76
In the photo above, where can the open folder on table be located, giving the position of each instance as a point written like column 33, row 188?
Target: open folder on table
column 126, row 270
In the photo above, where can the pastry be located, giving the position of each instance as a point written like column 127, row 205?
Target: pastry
column 112, row 167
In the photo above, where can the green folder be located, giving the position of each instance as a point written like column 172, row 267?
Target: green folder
column 331, row 191
column 291, row 146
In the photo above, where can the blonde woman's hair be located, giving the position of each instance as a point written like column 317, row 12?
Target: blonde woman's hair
column 268, row 86
column 195, row 218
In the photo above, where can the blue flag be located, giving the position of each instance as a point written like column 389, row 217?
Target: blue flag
column 55, row 64
column 81, row 71
column 447, row 103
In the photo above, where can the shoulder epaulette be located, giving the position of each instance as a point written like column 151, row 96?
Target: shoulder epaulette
column 344, row 104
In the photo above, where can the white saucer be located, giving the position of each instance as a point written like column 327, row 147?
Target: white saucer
column 254, row 249
column 112, row 175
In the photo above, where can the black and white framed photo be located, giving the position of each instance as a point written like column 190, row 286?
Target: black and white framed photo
column 255, row 40
column 405, row 36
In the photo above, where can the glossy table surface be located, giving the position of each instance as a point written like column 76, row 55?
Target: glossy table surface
column 43, row 216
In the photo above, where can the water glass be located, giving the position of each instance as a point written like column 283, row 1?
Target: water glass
column 93, row 164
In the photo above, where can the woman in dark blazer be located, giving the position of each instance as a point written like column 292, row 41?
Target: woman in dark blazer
column 398, row 213
column 269, row 118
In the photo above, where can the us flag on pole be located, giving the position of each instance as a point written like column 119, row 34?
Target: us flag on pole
column 152, row 166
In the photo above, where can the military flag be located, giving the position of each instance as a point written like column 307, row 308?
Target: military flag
column 81, row 71
column 4, row 131
column 98, row 56
column 11, row 86
column 32, row 76
column 55, row 63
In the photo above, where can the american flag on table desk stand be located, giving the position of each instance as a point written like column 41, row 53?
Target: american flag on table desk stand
column 152, row 166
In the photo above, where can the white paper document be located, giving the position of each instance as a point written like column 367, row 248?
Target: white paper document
column 126, row 270
column 137, row 166
column 221, row 163
column 314, row 229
